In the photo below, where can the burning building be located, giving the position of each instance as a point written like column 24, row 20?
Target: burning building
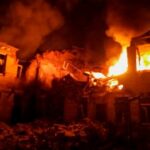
column 10, row 72
column 9, row 67
column 123, row 94
column 120, row 96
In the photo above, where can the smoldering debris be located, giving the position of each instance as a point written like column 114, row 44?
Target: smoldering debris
column 42, row 134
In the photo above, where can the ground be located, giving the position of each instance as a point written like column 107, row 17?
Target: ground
column 84, row 135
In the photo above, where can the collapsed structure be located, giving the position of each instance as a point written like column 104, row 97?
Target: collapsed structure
column 122, row 98
column 130, row 104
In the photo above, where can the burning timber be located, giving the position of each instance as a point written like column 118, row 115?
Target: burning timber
column 137, row 78
column 131, row 103
column 123, row 98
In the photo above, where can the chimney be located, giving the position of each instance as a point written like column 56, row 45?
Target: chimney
column 131, row 54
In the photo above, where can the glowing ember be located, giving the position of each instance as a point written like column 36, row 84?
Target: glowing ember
column 99, row 79
column 112, row 83
column 121, row 66
column 98, row 75
column 120, row 87
column 48, row 66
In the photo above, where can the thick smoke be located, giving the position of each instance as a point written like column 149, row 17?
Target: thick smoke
column 67, row 5
column 127, row 18
column 55, row 64
column 28, row 24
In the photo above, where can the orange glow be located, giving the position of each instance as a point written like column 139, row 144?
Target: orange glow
column 121, row 65
column 112, row 83
column 99, row 79
column 120, row 87
column 98, row 75
column 144, row 62
column 48, row 66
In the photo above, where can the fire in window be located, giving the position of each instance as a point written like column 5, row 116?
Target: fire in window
column 2, row 63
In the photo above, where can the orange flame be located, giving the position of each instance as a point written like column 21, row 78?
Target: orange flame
column 48, row 66
column 143, row 62
column 98, row 75
column 121, row 66
column 120, row 87
column 99, row 79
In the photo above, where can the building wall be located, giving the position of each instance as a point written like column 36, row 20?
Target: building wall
column 9, row 76
column 118, row 107
column 6, row 105
column 135, row 111
column 111, row 114
column 8, row 80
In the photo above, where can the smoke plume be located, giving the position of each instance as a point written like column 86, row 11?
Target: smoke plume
column 126, row 19
column 54, row 64
column 67, row 5
column 28, row 24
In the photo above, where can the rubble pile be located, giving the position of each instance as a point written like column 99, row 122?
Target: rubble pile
column 45, row 135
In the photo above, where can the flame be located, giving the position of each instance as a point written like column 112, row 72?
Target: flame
column 51, row 65
column 143, row 62
column 112, row 83
column 120, row 87
column 48, row 66
column 98, row 75
column 121, row 66
column 101, row 80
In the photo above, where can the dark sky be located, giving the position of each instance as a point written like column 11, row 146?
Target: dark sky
column 84, row 27
column 83, row 23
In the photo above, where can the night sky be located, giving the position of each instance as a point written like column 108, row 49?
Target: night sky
column 80, row 23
